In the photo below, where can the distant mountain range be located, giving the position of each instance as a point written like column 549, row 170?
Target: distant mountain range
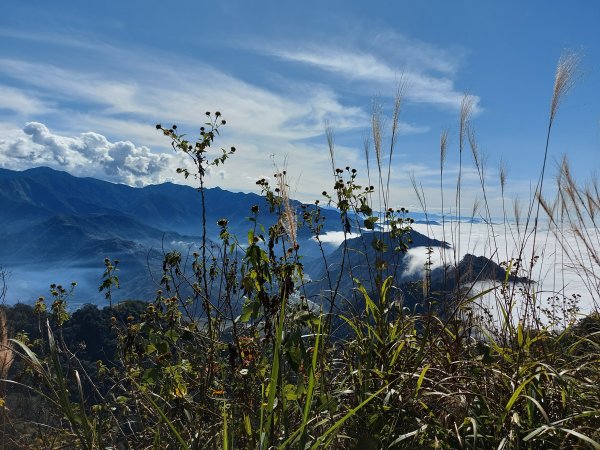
column 55, row 227
column 54, row 224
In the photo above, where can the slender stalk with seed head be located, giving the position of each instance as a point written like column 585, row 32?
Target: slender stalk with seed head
column 393, row 139
column 564, row 81
column 465, row 114
column 443, row 151
column 377, row 132
column 288, row 215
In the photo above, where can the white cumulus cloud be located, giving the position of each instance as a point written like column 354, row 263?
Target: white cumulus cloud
column 88, row 154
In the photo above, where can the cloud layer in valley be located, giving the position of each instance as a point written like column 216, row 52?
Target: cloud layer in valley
column 556, row 273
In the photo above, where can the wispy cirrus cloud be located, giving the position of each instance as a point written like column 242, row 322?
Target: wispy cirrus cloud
column 20, row 101
column 361, row 66
column 150, row 90
column 387, row 59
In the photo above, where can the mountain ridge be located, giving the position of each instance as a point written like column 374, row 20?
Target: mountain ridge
column 55, row 224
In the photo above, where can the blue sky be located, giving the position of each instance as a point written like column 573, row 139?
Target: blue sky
column 83, row 83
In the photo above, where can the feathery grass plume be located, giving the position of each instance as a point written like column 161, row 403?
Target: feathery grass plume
column 367, row 150
column 393, row 138
column 517, row 213
column 476, row 206
column 377, row 130
column 574, row 225
column 466, row 107
column 592, row 203
column 466, row 110
column 330, row 144
column 6, row 350
column 564, row 79
column 420, row 193
column 443, row 148
column 396, row 116
column 548, row 209
column 502, row 175
column 443, row 151
column 474, row 148
column 594, row 193
column 288, row 216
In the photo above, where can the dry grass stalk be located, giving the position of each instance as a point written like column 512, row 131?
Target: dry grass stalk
column 443, row 151
column 6, row 351
column 502, row 174
column 396, row 118
column 573, row 214
column 564, row 79
column 466, row 109
column 367, row 150
column 517, row 212
column 474, row 148
column 330, row 144
column 549, row 210
column 377, row 130
column 443, row 147
column 393, row 139
column 288, row 216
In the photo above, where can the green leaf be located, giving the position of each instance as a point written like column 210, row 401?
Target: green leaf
column 289, row 391
column 595, row 445
column 365, row 208
column 520, row 334
column 517, row 392
column 379, row 245
column 172, row 334
column 331, row 430
column 150, row 376
column 293, row 350
column 162, row 347
column 249, row 310
column 421, row 378
column 369, row 304
column 170, row 424
column 370, row 222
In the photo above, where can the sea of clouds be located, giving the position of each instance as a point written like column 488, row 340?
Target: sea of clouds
column 563, row 267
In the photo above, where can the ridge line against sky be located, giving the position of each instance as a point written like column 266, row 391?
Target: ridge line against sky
column 82, row 85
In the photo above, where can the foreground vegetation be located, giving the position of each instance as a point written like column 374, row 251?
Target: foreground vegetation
column 232, row 354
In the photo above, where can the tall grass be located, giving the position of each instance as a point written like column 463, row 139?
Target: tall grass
column 243, row 359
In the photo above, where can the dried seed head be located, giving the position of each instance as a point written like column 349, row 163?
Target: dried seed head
column 443, row 146
column 566, row 74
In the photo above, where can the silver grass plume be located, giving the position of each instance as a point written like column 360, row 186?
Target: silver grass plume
column 288, row 215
